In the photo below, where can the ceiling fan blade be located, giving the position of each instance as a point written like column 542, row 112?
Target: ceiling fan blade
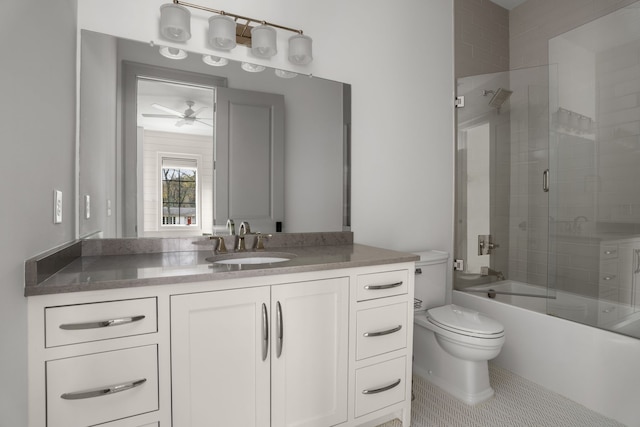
column 181, row 123
column 159, row 116
column 168, row 110
column 204, row 123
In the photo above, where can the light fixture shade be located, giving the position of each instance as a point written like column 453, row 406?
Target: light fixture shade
column 285, row 74
column 175, row 22
column 172, row 52
column 263, row 41
column 252, row 68
column 300, row 49
column 222, row 32
column 214, row 61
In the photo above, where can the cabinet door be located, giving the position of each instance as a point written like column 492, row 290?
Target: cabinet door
column 219, row 374
column 309, row 362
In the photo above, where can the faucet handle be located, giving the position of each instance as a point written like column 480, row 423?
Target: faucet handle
column 221, row 248
column 240, row 246
column 259, row 242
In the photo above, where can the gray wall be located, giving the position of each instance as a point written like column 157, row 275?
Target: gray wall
column 534, row 22
column 37, row 130
column 481, row 37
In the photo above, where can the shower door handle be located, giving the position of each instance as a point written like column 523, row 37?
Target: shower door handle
column 545, row 181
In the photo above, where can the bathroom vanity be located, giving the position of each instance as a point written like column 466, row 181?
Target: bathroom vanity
column 168, row 338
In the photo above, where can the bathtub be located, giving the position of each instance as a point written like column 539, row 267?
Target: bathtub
column 594, row 367
column 590, row 311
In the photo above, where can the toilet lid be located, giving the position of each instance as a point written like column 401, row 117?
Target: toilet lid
column 456, row 318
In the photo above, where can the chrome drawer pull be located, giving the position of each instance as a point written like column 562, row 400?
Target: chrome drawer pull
column 381, row 389
column 280, row 328
column 377, row 287
column 607, row 278
column 609, row 252
column 102, row 323
column 387, row 332
column 265, row 332
column 102, row 391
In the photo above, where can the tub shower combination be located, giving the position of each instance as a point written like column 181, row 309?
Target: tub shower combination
column 548, row 214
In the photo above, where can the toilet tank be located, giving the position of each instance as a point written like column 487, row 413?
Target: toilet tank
column 431, row 279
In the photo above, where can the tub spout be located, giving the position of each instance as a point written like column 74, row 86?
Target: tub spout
column 486, row 271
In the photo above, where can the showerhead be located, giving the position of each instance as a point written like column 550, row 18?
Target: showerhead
column 499, row 97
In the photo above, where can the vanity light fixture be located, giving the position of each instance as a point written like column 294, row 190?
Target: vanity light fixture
column 222, row 32
column 172, row 52
column 214, row 61
column 175, row 22
column 226, row 30
column 263, row 41
column 252, row 68
column 300, row 49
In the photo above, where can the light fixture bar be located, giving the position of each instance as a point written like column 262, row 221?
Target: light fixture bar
column 246, row 18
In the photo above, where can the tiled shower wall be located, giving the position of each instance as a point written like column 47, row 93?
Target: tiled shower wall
column 480, row 26
column 481, row 37
column 531, row 25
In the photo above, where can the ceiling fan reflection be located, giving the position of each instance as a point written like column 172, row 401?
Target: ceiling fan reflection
column 188, row 117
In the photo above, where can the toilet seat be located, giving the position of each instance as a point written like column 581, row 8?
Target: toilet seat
column 460, row 320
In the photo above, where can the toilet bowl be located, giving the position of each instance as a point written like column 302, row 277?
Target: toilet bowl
column 451, row 348
column 451, row 344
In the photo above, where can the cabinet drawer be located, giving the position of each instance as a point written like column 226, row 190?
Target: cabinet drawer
column 73, row 324
column 380, row 285
column 381, row 330
column 380, row 385
column 608, row 251
column 77, row 387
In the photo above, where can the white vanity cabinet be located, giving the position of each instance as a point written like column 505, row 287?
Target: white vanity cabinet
column 273, row 355
column 315, row 348
column 94, row 361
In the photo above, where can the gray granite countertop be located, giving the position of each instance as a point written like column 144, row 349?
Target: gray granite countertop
column 87, row 273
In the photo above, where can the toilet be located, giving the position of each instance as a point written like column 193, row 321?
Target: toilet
column 451, row 344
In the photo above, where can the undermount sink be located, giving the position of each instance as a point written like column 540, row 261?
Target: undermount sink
column 251, row 258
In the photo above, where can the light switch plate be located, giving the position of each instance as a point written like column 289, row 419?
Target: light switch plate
column 57, row 206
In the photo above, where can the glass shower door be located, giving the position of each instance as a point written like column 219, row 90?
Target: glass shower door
column 501, row 206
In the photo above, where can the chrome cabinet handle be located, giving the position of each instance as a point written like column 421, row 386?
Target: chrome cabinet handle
column 380, row 333
column 102, row 391
column 609, row 252
column 265, row 332
column 381, row 389
column 102, row 323
column 378, row 287
column 637, row 270
column 280, row 340
column 607, row 278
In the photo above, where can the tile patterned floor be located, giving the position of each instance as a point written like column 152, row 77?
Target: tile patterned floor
column 517, row 402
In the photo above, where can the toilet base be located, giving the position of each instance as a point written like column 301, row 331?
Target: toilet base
column 468, row 398
column 465, row 380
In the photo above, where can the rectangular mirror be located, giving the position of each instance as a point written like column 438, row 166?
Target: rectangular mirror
column 173, row 147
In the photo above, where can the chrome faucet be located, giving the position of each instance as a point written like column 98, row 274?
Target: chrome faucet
column 231, row 226
column 486, row 271
column 245, row 228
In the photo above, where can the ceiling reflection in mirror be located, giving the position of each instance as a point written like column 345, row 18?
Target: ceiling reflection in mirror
column 172, row 104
